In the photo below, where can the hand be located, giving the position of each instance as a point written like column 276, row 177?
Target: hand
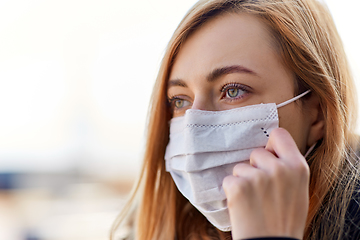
column 270, row 196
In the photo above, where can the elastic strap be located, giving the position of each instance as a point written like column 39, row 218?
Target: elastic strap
column 310, row 149
column 293, row 99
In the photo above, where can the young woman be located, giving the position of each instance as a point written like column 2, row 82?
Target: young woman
column 217, row 165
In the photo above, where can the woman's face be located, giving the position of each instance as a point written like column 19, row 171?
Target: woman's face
column 232, row 62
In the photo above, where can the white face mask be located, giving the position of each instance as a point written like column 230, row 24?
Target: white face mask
column 205, row 146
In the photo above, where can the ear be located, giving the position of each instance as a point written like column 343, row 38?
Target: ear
column 316, row 119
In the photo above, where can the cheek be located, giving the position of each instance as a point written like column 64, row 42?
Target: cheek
column 294, row 121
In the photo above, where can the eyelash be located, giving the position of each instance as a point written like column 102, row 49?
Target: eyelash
column 233, row 85
column 172, row 99
column 223, row 90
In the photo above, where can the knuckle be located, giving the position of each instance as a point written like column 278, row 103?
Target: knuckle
column 301, row 167
column 256, row 152
column 230, row 185
column 278, row 169
column 235, row 188
column 277, row 132
column 304, row 170
column 238, row 168
column 227, row 182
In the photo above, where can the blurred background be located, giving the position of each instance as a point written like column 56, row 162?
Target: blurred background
column 75, row 82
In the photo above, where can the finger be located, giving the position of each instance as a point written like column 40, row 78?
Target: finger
column 244, row 170
column 250, row 178
column 282, row 145
column 238, row 190
column 262, row 159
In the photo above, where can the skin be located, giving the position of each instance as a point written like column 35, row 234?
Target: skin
column 231, row 62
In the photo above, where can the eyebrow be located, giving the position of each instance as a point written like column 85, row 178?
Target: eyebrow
column 176, row 82
column 215, row 74
column 219, row 72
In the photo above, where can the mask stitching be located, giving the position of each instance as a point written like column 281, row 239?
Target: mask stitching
column 190, row 125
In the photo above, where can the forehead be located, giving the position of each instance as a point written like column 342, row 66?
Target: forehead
column 227, row 39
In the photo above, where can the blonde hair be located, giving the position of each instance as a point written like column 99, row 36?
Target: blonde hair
column 310, row 46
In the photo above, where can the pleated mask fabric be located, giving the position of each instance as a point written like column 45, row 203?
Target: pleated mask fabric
column 205, row 146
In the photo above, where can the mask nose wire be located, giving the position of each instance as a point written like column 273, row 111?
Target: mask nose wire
column 292, row 99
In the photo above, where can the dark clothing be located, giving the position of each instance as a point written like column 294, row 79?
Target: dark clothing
column 272, row 238
column 352, row 222
column 352, row 219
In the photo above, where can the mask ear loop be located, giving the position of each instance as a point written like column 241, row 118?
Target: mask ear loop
column 293, row 99
column 290, row 101
column 310, row 150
